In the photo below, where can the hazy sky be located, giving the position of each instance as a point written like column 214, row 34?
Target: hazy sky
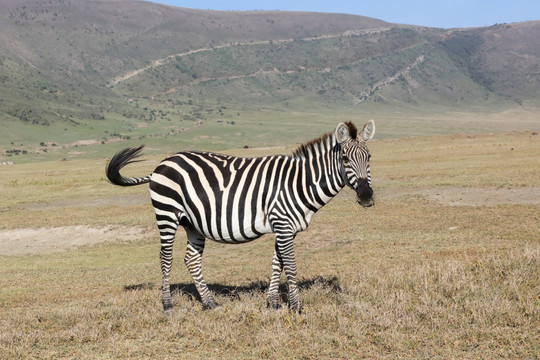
column 435, row 13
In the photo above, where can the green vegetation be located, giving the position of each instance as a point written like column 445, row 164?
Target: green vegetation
column 110, row 75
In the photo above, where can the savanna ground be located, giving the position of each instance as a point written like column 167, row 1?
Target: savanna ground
column 446, row 265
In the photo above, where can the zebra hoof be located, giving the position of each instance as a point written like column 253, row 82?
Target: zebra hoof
column 168, row 312
column 296, row 309
column 273, row 304
column 168, row 308
column 211, row 305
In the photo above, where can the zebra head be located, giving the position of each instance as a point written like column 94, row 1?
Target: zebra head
column 355, row 159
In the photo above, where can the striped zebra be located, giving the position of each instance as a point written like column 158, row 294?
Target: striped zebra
column 235, row 200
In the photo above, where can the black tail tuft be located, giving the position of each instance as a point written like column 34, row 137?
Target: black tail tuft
column 118, row 161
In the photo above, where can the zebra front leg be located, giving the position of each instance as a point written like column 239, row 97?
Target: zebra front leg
column 285, row 246
column 193, row 262
column 272, row 300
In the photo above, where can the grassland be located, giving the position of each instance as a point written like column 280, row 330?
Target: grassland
column 417, row 276
column 230, row 126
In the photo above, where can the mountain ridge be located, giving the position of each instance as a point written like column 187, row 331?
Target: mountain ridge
column 125, row 67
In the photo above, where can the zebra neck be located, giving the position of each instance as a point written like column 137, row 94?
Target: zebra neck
column 323, row 179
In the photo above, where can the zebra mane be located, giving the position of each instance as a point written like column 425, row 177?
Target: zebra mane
column 305, row 150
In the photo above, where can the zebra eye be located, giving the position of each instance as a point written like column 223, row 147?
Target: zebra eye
column 345, row 158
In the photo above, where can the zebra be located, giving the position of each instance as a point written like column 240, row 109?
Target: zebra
column 235, row 200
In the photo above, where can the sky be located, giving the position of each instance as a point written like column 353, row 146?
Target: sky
column 433, row 13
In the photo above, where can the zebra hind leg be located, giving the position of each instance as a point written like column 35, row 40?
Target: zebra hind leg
column 165, row 255
column 193, row 260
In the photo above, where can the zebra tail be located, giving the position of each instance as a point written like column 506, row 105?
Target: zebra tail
column 121, row 159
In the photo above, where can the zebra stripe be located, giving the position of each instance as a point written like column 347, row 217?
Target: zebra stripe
column 235, row 200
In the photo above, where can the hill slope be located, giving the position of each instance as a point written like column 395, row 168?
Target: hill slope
column 127, row 69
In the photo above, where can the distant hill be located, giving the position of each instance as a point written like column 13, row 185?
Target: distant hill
column 120, row 69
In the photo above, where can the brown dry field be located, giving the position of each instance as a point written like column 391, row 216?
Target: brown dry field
column 446, row 265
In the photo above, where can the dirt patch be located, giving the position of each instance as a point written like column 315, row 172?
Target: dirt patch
column 92, row 201
column 483, row 196
column 85, row 142
column 75, row 153
column 57, row 239
column 473, row 196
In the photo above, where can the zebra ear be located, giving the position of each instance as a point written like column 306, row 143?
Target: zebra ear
column 369, row 130
column 342, row 132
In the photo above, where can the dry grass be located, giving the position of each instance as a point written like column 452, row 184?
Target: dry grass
column 408, row 278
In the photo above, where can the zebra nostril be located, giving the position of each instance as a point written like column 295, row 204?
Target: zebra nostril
column 366, row 202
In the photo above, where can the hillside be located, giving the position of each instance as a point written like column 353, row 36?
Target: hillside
column 106, row 71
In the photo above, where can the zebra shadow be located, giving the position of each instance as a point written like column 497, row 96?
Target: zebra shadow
column 331, row 283
column 256, row 287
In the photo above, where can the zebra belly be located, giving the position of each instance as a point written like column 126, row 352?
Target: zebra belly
column 223, row 226
column 233, row 231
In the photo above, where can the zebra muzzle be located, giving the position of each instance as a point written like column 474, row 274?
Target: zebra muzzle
column 364, row 194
